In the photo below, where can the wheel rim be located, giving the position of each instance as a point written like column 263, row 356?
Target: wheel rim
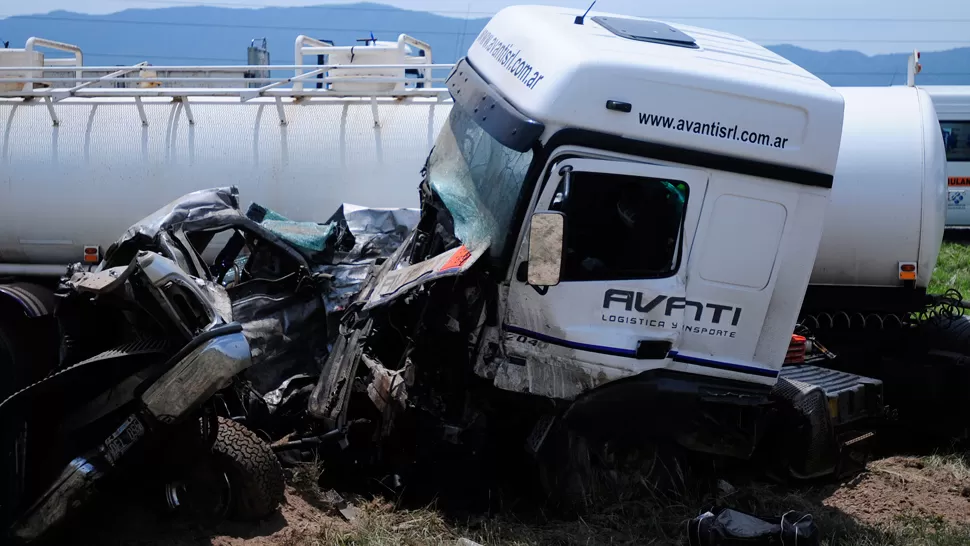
column 210, row 496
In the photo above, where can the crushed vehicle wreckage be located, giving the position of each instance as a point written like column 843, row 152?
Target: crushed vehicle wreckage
column 179, row 352
column 210, row 346
column 577, row 284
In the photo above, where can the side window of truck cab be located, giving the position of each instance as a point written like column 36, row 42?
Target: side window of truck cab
column 620, row 226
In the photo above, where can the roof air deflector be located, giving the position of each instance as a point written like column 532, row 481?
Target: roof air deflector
column 643, row 30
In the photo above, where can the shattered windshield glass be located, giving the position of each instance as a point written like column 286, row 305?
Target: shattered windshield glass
column 479, row 181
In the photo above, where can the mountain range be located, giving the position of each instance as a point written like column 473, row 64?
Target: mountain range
column 216, row 35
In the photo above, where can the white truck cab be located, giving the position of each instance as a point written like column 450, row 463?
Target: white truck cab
column 653, row 194
column 620, row 218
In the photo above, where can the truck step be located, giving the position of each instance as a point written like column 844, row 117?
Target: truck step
column 855, row 452
column 850, row 397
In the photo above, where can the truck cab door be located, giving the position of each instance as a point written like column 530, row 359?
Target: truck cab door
column 617, row 305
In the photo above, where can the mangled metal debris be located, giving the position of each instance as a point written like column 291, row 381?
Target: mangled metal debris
column 282, row 277
column 201, row 333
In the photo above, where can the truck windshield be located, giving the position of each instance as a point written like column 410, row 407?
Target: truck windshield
column 478, row 179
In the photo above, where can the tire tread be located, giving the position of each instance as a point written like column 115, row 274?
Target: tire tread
column 258, row 483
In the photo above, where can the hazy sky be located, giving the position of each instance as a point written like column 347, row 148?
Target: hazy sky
column 871, row 26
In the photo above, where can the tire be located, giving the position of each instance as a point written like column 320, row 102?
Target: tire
column 28, row 349
column 255, row 474
column 11, row 364
column 579, row 473
column 948, row 334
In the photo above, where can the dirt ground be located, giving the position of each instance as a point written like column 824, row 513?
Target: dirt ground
column 935, row 487
column 130, row 522
column 899, row 500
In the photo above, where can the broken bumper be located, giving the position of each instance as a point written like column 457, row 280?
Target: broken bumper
column 204, row 367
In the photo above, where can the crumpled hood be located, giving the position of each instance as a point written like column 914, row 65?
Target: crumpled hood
column 287, row 321
column 394, row 283
column 196, row 210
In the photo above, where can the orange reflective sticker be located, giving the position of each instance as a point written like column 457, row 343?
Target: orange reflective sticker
column 457, row 260
column 959, row 181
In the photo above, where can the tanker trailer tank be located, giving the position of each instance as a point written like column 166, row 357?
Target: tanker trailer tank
column 80, row 162
column 885, row 221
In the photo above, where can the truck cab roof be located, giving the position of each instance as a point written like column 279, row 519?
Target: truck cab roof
column 670, row 84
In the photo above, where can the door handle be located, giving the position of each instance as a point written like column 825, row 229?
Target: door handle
column 652, row 349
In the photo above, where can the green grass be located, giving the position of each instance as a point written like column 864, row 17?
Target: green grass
column 952, row 268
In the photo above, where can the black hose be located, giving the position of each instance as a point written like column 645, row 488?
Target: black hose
column 311, row 441
column 335, row 434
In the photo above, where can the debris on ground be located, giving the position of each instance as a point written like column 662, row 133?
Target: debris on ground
column 724, row 526
column 725, row 488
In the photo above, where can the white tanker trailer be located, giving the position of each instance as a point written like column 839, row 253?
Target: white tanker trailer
column 82, row 158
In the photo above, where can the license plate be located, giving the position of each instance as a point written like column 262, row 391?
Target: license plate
column 123, row 438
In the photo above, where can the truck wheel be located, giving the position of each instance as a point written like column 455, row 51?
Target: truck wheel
column 255, row 475
column 565, row 472
column 8, row 367
column 948, row 334
column 28, row 348
column 579, row 473
column 13, row 372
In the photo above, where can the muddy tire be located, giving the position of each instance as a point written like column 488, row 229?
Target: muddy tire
column 565, row 472
column 10, row 366
column 948, row 334
column 14, row 362
column 578, row 473
column 255, row 475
